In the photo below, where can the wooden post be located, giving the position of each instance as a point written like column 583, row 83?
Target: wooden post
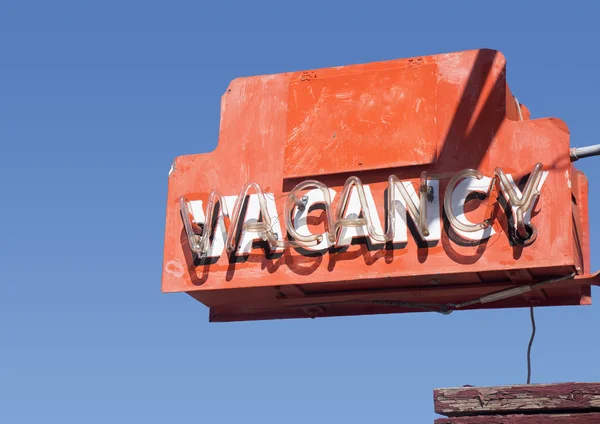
column 568, row 403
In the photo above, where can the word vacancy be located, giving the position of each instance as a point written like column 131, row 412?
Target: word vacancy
column 351, row 215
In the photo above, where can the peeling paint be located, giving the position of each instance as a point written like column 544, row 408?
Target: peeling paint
column 174, row 268
column 453, row 68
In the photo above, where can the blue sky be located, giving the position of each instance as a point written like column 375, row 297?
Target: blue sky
column 97, row 98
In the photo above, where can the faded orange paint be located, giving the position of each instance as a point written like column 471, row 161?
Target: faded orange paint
column 439, row 114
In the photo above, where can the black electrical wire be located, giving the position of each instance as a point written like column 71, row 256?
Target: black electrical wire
column 530, row 344
column 429, row 307
column 447, row 308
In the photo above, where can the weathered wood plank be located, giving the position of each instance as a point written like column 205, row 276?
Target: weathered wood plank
column 583, row 418
column 563, row 397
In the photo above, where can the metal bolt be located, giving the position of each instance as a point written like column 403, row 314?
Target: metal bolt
column 301, row 205
column 430, row 195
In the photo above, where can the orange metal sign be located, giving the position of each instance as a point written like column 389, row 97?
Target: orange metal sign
column 413, row 184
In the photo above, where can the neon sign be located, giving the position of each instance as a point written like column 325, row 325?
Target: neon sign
column 295, row 214
column 354, row 213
